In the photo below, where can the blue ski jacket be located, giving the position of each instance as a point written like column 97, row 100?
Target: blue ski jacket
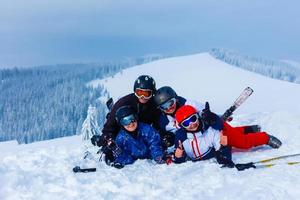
column 146, row 145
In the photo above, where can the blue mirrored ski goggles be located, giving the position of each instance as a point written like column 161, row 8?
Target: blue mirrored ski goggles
column 125, row 121
column 192, row 119
column 168, row 104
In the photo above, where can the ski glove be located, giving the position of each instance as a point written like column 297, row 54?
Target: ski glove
column 117, row 165
column 208, row 117
column 168, row 139
column 100, row 140
column 223, row 156
column 168, row 158
column 165, row 159
column 111, row 151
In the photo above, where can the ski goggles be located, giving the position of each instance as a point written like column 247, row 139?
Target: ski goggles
column 125, row 121
column 167, row 105
column 187, row 122
column 146, row 93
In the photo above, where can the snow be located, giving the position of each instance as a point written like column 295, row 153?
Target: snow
column 43, row 170
column 204, row 78
column 293, row 63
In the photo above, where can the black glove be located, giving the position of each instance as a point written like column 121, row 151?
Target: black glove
column 207, row 116
column 109, row 155
column 244, row 166
column 117, row 165
column 168, row 139
column 100, row 140
column 111, row 151
column 168, row 158
column 223, row 157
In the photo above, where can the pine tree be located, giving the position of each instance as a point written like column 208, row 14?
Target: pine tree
column 90, row 125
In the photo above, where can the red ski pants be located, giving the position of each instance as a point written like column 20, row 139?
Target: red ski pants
column 237, row 138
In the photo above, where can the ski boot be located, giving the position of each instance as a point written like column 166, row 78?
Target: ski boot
column 274, row 142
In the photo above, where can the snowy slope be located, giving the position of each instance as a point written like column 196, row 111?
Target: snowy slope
column 204, row 78
column 42, row 170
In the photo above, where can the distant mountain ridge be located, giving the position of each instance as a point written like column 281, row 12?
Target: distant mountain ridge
column 283, row 70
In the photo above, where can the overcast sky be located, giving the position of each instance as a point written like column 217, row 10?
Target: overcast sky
column 36, row 32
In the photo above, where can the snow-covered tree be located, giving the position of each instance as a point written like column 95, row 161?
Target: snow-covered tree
column 90, row 125
column 47, row 102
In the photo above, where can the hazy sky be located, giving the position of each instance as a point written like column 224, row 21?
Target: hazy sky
column 35, row 32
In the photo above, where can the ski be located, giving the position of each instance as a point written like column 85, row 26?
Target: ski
column 275, row 164
column 276, row 158
column 77, row 169
column 265, row 163
column 109, row 103
column 241, row 99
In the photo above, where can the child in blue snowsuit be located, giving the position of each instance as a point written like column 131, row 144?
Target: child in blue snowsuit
column 136, row 140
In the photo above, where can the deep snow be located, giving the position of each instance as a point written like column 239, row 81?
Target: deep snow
column 43, row 170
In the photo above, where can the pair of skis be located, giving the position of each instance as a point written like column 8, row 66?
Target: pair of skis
column 266, row 163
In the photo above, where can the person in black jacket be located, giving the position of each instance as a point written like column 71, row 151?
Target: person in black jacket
column 141, row 101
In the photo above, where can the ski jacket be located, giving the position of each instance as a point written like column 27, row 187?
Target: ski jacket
column 147, row 113
column 146, row 145
column 198, row 145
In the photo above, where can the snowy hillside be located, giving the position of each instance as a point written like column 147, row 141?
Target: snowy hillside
column 43, row 170
column 204, row 78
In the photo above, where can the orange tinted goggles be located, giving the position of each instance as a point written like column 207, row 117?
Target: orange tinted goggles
column 147, row 94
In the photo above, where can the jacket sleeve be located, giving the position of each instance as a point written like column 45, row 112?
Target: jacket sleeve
column 215, row 136
column 111, row 127
column 156, row 119
column 124, row 158
column 218, row 125
column 154, row 143
column 180, row 136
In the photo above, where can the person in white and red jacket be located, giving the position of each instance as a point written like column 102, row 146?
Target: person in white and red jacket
column 167, row 100
column 195, row 142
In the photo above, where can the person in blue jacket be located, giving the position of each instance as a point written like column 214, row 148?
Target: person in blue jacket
column 136, row 140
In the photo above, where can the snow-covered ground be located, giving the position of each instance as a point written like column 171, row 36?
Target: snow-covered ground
column 43, row 170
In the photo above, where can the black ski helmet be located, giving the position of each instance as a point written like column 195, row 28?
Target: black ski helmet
column 144, row 82
column 124, row 111
column 163, row 95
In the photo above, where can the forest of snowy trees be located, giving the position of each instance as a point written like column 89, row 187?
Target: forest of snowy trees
column 273, row 68
column 47, row 102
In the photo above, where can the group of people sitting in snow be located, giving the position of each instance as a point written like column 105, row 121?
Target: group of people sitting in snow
column 167, row 128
